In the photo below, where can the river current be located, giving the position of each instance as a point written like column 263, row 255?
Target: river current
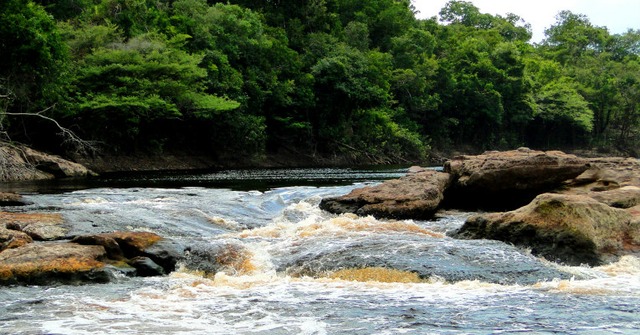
column 305, row 271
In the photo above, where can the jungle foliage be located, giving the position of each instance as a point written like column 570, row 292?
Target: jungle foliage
column 362, row 79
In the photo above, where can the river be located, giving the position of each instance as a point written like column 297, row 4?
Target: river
column 299, row 270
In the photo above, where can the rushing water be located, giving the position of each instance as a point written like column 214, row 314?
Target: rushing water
column 304, row 271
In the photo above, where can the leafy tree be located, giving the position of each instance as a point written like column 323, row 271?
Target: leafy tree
column 33, row 56
column 131, row 93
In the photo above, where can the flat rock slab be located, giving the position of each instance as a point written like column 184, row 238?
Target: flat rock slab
column 416, row 195
column 40, row 226
column 50, row 262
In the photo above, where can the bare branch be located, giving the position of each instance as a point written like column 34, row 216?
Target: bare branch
column 68, row 136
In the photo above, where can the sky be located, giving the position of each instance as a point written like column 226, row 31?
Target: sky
column 617, row 15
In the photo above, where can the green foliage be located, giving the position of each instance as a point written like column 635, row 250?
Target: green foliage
column 129, row 86
column 364, row 79
column 33, row 56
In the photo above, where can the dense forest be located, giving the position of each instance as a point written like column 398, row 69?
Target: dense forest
column 361, row 79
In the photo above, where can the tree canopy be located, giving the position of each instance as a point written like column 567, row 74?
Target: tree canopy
column 363, row 79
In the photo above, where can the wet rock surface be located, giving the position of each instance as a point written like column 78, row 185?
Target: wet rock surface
column 570, row 229
column 565, row 208
column 29, row 254
column 429, row 258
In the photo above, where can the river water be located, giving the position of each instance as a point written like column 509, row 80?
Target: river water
column 294, row 269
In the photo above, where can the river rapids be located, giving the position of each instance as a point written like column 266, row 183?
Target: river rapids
column 291, row 268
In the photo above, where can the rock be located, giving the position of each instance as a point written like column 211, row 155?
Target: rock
column 40, row 226
column 55, row 165
column 145, row 267
column 110, row 245
column 416, row 195
column 51, row 262
column 22, row 163
column 12, row 199
column 572, row 229
column 121, row 245
column 509, row 179
column 624, row 197
column 214, row 257
column 427, row 258
column 10, row 239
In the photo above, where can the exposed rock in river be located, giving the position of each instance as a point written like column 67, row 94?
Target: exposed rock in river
column 417, row 195
column 507, row 180
column 90, row 258
column 592, row 216
column 571, row 229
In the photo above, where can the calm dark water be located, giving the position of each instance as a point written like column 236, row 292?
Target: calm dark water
column 295, row 279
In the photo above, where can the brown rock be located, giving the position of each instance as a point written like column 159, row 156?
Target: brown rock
column 12, row 199
column 40, row 226
column 55, row 165
column 47, row 262
column 23, row 163
column 509, row 179
column 10, row 239
column 624, row 197
column 416, row 195
column 129, row 245
column 572, row 229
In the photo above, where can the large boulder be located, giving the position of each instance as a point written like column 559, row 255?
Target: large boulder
column 509, row 179
column 416, row 195
column 571, row 229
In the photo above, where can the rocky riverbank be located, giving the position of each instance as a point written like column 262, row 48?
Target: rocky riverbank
column 565, row 208
column 562, row 207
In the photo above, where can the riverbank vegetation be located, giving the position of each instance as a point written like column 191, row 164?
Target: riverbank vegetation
column 360, row 79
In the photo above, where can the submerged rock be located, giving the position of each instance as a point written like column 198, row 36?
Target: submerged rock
column 416, row 195
column 571, row 229
column 211, row 258
column 441, row 258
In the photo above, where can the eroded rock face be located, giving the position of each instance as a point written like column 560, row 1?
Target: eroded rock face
column 416, row 195
column 23, row 163
column 571, row 229
column 509, row 179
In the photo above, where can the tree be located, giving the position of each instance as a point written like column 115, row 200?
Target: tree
column 131, row 93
